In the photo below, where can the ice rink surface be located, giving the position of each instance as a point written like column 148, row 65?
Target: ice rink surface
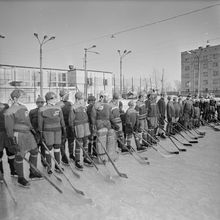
column 183, row 187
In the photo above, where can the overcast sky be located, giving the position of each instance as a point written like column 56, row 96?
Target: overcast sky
column 80, row 24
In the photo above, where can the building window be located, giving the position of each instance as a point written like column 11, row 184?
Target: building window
column 205, row 65
column 205, row 82
column 205, row 74
column 216, row 81
column 215, row 64
column 205, row 57
column 215, row 73
column 186, row 68
column 186, row 75
column 215, row 56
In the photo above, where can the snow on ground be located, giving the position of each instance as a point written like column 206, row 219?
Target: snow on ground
column 183, row 187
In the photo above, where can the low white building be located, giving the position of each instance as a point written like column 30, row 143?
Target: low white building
column 28, row 79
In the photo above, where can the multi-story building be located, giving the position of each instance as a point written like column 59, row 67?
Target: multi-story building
column 28, row 79
column 200, row 71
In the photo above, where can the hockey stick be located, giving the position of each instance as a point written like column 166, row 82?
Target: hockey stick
column 185, row 144
column 42, row 174
column 170, row 152
column 124, row 175
column 61, row 170
column 180, row 149
column 108, row 178
column 161, row 153
column 192, row 142
column 104, row 163
column 70, row 165
column 9, row 191
column 211, row 126
column 140, row 160
column 184, row 128
column 48, row 165
column 199, row 132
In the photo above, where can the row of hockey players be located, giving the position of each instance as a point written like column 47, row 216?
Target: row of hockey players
column 100, row 124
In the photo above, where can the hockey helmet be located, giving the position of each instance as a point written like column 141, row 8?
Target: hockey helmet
column 63, row 92
column 130, row 103
column 78, row 95
column 39, row 99
column 91, row 98
column 16, row 93
column 115, row 95
column 50, row 95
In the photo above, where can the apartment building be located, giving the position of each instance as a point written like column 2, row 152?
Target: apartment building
column 200, row 71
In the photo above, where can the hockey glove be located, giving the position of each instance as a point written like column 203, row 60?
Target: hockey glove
column 13, row 145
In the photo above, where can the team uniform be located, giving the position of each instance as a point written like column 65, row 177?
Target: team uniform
column 66, row 108
column 131, row 124
column 196, row 114
column 51, row 126
column 178, row 113
column 116, row 123
column 142, row 123
column 4, row 142
column 92, row 136
column 162, row 109
column 212, row 109
column 33, row 115
column 18, row 128
column 106, row 137
column 152, row 116
column 187, row 113
column 170, row 117
column 78, row 121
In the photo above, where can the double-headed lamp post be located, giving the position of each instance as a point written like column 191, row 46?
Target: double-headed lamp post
column 197, row 55
column 86, row 50
column 41, row 43
column 122, row 55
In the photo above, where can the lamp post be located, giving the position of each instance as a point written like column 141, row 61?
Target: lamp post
column 122, row 55
column 41, row 43
column 197, row 55
column 86, row 50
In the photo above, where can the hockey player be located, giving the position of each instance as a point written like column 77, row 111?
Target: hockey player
column 131, row 123
column 212, row 109
column 177, row 109
column 92, row 136
column 65, row 105
column 162, row 108
column 196, row 114
column 170, row 116
column 4, row 144
column 19, row 130
column 142, row 122
column 153, row 115
column 106, row 137
column 33, row 114
column 79, row 123
column 116, row 122
column 187, row 112
column 218, row 110
column 52, row 127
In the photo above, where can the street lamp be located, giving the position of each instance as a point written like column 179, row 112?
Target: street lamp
column 197, row 55
column 41, row 43
column 122, row 55
column 86, row 50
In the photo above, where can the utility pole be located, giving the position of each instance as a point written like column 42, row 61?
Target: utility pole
column 41, row 43
column 86, row 50
column 162, row 81
column 132, row 84
column 122, row 55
